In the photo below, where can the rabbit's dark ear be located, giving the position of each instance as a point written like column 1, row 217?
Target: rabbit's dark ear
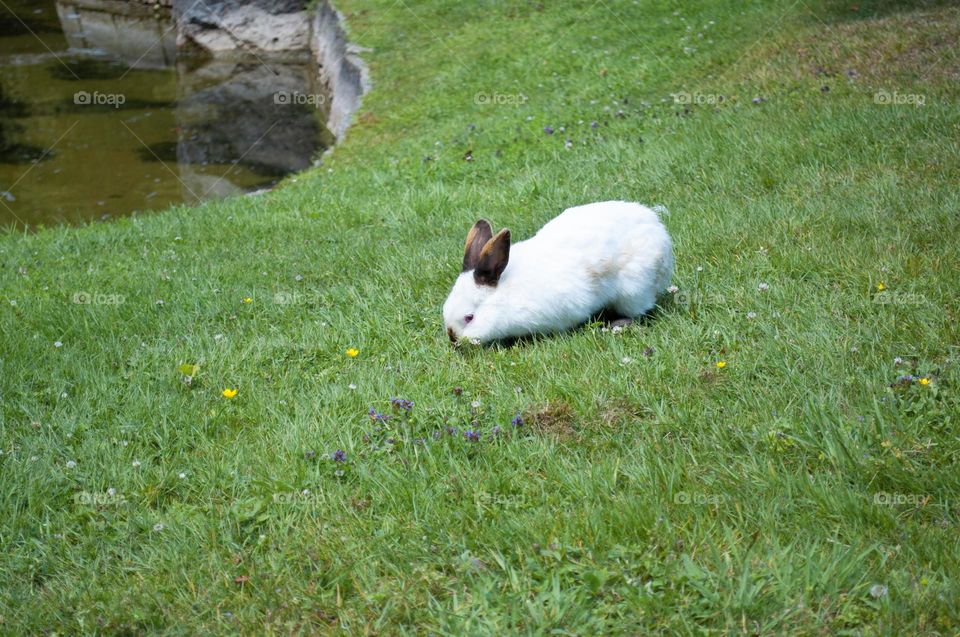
column 493, row 259
column 479, row 234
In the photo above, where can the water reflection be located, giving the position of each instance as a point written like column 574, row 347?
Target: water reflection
column 99, row 117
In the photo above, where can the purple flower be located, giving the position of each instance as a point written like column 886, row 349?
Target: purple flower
column 400, row 403
column 339, row 455
column 436, row 435
column 472, row 435
column 495, row 430
column 376, row 416
column 452, row 431
column 517, row 421
column 548, row 130
column 594, row 124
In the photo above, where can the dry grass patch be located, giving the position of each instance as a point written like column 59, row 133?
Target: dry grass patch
column 552, row 419
column 905, row 48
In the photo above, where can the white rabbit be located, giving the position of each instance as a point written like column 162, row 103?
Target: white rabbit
column 613, row 255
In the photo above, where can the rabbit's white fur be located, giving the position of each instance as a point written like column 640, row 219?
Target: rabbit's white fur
column 612, row 255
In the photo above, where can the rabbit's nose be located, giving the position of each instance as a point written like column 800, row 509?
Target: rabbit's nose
column 453, row 337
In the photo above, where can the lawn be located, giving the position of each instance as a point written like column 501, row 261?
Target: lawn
column 774, row 451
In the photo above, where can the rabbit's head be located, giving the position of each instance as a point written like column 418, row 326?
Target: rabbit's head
column 485, row 257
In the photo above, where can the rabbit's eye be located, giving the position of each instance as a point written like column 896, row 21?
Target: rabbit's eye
column 468, row 318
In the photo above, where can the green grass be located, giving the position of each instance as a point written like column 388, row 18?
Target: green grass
column 648, row 491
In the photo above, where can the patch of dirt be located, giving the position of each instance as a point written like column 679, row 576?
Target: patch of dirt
column 553, row 419
column 620, row 411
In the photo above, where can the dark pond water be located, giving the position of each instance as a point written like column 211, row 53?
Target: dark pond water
column 99, row 116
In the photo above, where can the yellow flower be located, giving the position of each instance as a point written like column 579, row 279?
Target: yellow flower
column 721, row 364
column 248, row 300
column 230, row 393
column 352, row 353
column 881, row 287
column 924, row 381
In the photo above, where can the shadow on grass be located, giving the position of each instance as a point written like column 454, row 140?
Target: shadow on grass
column 606, row 318
column 851, row 10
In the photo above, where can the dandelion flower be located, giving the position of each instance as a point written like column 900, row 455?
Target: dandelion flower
column 673, row 289
column 721, row 364
column 924, row 381
column 881, row 287
column 247, row 300
column 230, row 393
column 879, row 590
column 352, row 352
column 136, row 464
column 71, row 464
